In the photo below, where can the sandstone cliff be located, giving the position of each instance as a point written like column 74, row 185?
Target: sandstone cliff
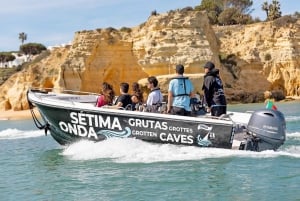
column 258, row 57
column 267, row 55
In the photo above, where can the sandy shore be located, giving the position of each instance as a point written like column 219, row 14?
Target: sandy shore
column 16, row 115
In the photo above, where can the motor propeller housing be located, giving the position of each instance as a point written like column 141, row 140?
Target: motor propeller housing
column 266, row 130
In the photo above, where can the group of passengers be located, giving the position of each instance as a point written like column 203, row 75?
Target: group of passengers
column 133, row 101
column 180, row 94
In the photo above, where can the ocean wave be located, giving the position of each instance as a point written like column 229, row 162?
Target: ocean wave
column 292, row 118
column 293, row 135
column 12, row 134
column 293, row 151
column 131, row 150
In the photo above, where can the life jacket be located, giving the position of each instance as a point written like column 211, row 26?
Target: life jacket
column 184, row 85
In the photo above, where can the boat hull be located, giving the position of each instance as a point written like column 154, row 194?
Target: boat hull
column 73, row 117
column 68, row 125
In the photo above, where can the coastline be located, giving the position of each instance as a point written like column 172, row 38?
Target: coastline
column 17, row 115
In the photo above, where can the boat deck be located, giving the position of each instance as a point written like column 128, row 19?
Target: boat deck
column 88, row 101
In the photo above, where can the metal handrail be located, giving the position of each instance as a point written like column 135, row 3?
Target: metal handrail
column 60, row 90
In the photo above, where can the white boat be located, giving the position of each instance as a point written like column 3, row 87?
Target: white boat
column 72, row 117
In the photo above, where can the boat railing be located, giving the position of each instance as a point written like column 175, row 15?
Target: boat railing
column 61, row 90
column 74, row 97
column 90, row 98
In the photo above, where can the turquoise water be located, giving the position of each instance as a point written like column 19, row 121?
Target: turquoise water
column 34, row 167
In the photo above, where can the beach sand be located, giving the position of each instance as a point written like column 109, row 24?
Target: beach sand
column 16, row 115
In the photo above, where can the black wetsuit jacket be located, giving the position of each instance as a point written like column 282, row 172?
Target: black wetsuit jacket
column 213, row 89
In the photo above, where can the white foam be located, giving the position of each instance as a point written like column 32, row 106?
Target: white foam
column 292, row 118
column 19, row 134
column 131, row 150
column 293, row 135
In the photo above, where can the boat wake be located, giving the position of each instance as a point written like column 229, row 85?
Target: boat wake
column 131, row 150
column 11, row 134
column 292, row 118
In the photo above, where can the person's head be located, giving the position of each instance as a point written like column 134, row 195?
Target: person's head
column 152, row 82
column 105, row 86
column 135, row 87
column 137, row 96
column 108, row 92
column 209, row 66
column 124, row 87
column 179, row 69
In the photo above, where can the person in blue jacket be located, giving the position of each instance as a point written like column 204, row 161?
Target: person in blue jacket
column 179, row 93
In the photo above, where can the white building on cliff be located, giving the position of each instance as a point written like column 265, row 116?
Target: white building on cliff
column 20, row 59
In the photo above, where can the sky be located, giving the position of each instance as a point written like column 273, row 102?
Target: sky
column 55, row 22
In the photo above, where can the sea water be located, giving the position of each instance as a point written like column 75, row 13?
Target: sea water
column 34, row 167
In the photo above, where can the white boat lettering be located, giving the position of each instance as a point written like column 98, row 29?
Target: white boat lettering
column 94, row 120
column 145, row 123
column 270, row 127
column 78, row 130
column 232, row 135
column 180, row 129
column 184, row 139
column 144, row 133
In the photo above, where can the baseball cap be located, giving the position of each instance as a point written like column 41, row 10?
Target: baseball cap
column 210, row 65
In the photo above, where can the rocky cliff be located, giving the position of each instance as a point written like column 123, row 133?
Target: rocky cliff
column 252, row 59
column 266, row 55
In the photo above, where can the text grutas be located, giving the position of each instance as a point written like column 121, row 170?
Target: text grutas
column 171, row 137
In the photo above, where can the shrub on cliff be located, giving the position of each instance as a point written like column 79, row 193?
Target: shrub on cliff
column 126, row 29
column 32, row 48
column 285, row 21
column 226, row 12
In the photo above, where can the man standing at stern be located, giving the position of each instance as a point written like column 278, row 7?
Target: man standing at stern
column 179, row 93
column 214, row 96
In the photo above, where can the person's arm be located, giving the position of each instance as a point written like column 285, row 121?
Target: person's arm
column 100, row 101
column 161, row 98
column 208, row 91
column 170, row 101
column 192, row 94
column 118, row 104
column 150, row 99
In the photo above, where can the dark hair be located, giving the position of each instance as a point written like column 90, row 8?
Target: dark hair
column 135, row 87
column 137, row 92
column 108, row 92
column 210, row 65
column 105, row 86
column 124, row 87
column 180, row 69
column 153, row 80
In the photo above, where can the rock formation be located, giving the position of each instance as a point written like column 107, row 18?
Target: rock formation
column 252, row 59
column 267, row 55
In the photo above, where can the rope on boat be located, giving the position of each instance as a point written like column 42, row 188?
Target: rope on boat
column 37, row 123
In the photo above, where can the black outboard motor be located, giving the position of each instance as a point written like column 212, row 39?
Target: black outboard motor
column 266, row 131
